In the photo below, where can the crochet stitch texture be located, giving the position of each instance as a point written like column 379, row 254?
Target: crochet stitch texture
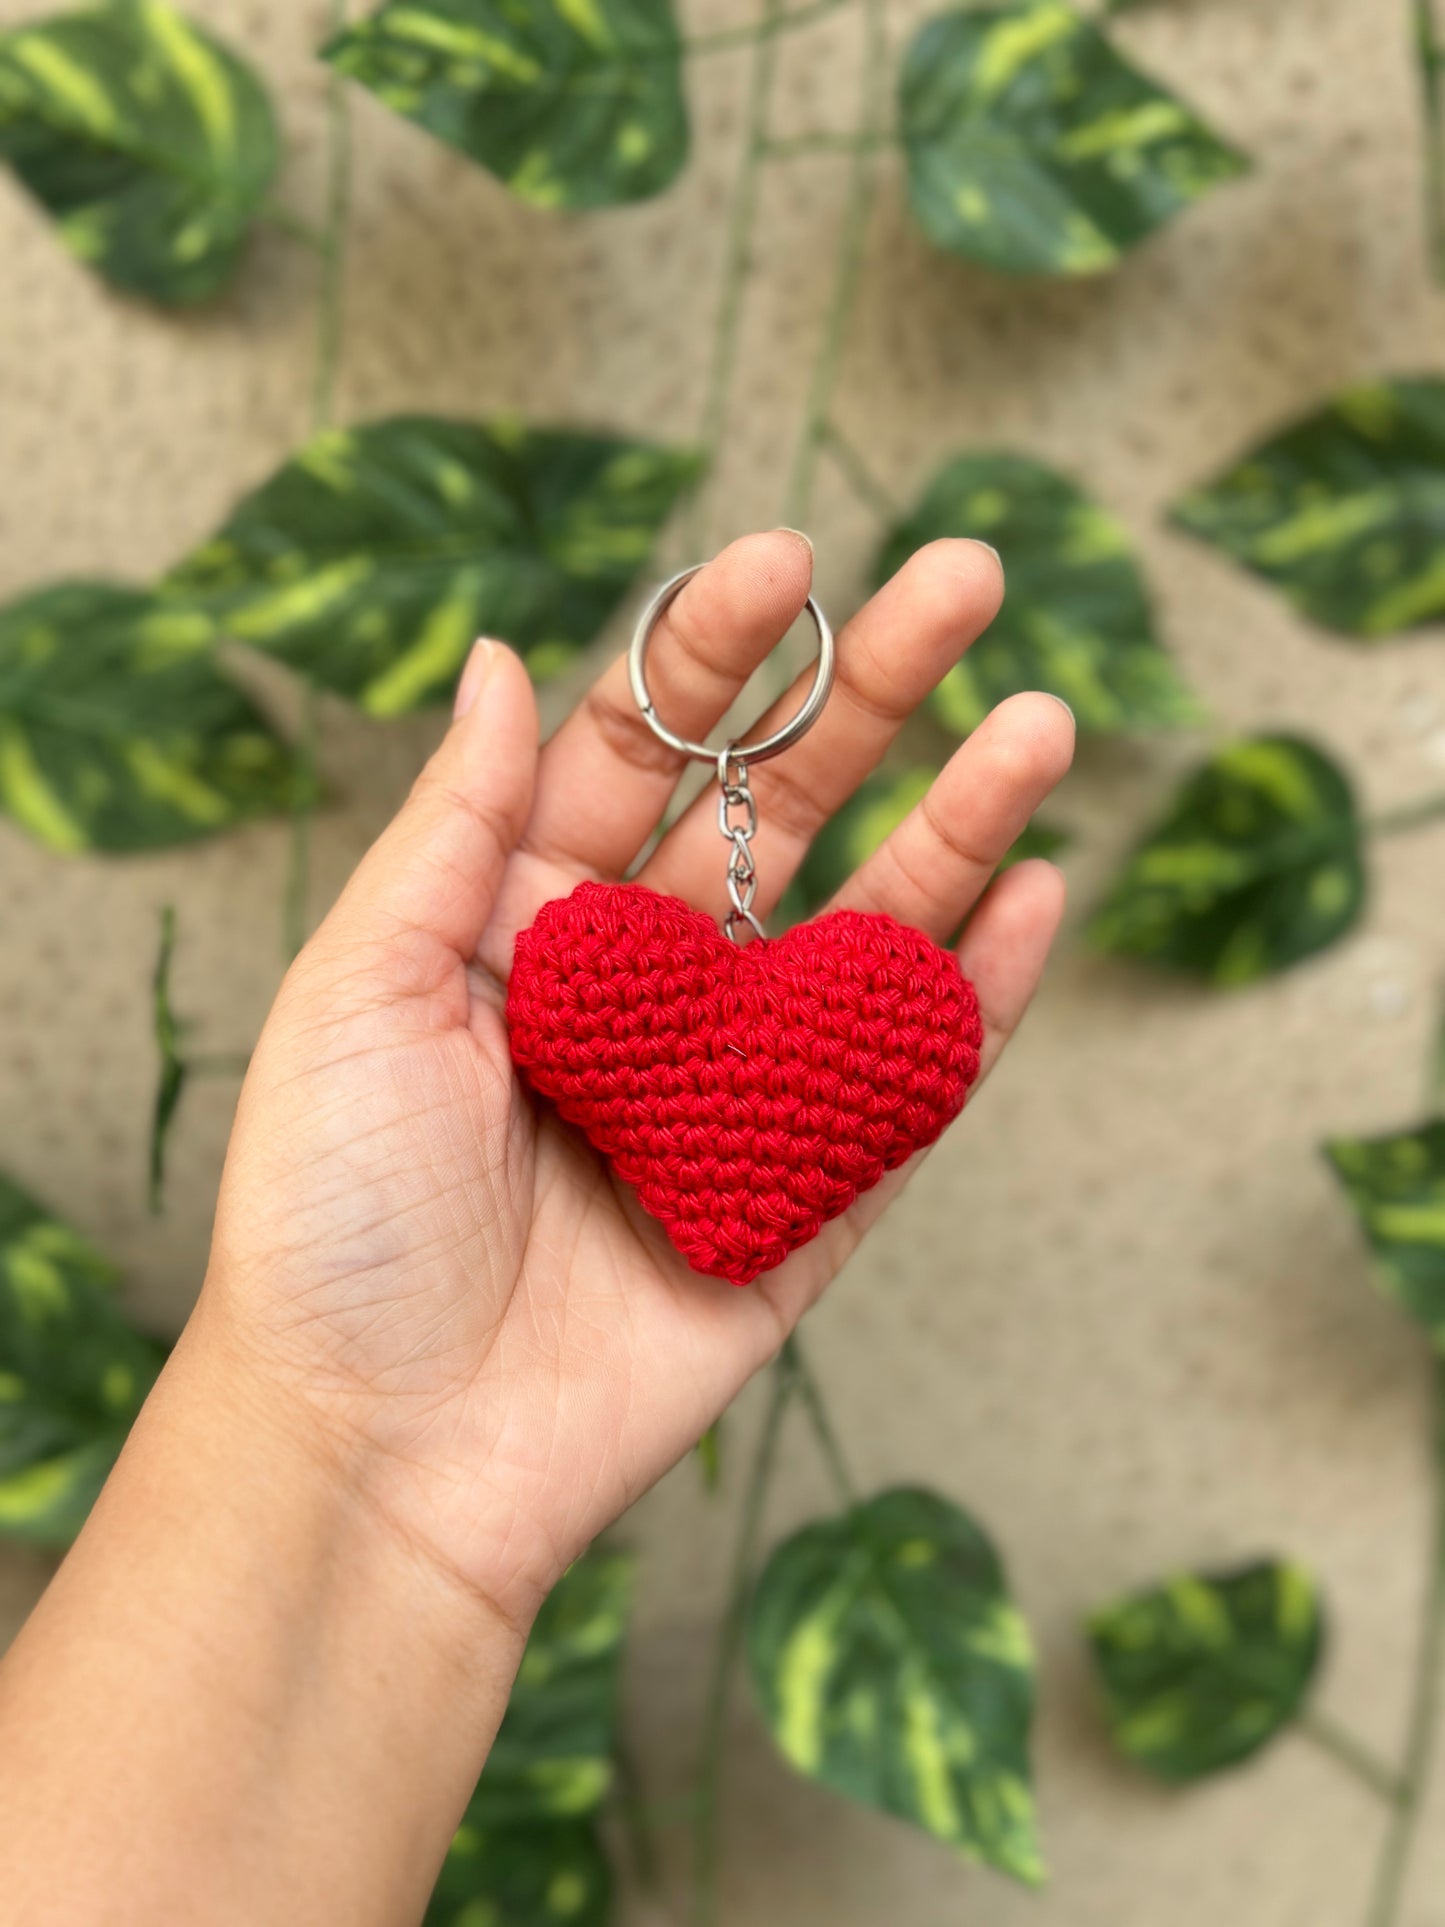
column 748, row 1095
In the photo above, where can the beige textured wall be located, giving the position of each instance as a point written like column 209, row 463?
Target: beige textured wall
column 1121, row 1313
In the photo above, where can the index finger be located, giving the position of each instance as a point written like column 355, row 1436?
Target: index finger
column 604, row 779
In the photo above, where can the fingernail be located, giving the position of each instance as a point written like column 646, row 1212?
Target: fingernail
column 1064, row 706
column 807, row 540
column 979, row 543
column 479, row 667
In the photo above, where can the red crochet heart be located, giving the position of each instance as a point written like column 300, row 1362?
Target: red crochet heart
column 748, row 1095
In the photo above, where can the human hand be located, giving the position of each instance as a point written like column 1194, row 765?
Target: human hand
column 440, row 1278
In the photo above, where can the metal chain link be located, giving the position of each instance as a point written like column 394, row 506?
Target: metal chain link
column 734, row 795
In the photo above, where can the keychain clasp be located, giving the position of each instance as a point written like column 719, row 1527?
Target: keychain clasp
column 732, row 760
column 781, row 739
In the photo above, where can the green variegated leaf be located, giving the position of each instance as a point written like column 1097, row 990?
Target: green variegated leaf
column 1200, row 1672
column 1344, row 511
column 553, row 1755
column 709, row 1450
column 1257, row 865
column 573, row 103
column 1038, row 839
column 527, row 1852
column 376, row 555
column 1397, row 1186
column 73, row 1374
column 149, row 143
column 542, row 1874
column 1076, row 619
column 117, row 730
column 872, row 813
column 892, row 1666
column 1035, row 147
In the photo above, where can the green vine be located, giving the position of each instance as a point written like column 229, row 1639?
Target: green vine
column 1420, row 1744
column 330, row 333
column 1430, row 58
column 792, row 1382
column 331, row 314
column 860, row 477
column 1353, row 1755
column 728, row 1645
column 847, row 271
column 173, row 1070
column 738, row 250
column 776, row 22
column 1412, row 1785
column 823, row 1430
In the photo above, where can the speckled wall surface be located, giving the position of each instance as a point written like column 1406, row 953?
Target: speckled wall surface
column 1122, row 1312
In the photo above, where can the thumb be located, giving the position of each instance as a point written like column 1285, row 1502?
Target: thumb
column 438, row 866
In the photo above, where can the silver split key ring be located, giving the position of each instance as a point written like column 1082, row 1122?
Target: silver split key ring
column 732, row 761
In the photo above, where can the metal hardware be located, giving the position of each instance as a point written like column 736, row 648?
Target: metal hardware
column 732, row 761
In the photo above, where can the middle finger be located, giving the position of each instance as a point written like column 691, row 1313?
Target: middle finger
column 897, row 649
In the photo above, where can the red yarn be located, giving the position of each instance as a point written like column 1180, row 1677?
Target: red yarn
column 748, row 1095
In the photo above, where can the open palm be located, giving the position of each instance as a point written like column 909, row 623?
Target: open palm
column 438, row 1268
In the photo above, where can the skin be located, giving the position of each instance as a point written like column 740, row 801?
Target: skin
column 438, row 1349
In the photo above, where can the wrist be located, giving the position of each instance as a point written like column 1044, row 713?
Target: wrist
column 289, row 1657
column 421, row 1486
column 304, row 1477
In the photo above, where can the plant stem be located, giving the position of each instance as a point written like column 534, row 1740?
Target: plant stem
column 736, row 256
column 1435, row 1088
column 1430, row 57
column 173, row 1070
column 1352, row 1755
column 1394, row 1859
column 332, row 311
column 822, row 1425
column 704, row 1910
column 277, row 216
column 769, row 28
column 823, row 142
column 295, row 927
column 1428, row 810
column 177, row 1068
column 849, row 267
column 635, row 1815
column 866, row 486
column 656, row 1814
column 330, row 328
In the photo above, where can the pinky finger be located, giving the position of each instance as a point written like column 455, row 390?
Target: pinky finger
column 1006, row 945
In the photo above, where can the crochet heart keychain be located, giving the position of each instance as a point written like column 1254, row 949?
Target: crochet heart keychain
column 748, row 1088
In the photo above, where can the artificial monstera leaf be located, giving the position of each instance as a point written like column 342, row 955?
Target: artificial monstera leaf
column 573, row 103
column 117, row 730
column 376, row 555
column 892, row 1666
column 1344, row 511
column 553, row 1755
column 1033, row 146
column 1200, row 1672
column 547, row 1874
column 1397, row 1186
column 1076, row 620
column 73, row 1374
column 150, row 144
column 873, row 812
column 1257, row 865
